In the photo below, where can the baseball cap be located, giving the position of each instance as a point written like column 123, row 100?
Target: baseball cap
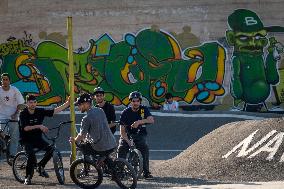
column 99, row 90
column 85, row 97
column 245, row 21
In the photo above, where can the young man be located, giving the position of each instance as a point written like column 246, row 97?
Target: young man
column 99, row 96
column 170, row 103
column 31, row 129
column 11, row 101
column 132, row 122
column 94, row 127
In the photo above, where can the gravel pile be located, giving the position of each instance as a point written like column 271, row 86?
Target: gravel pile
column 204, row 159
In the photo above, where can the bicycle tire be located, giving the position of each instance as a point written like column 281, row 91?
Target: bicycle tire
column 58, row 167
column 135, row 159
column 78, row 178
column 123, row 170
column 19, row 166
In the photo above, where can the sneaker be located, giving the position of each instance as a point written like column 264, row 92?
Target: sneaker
column 148, row 176
column 42, row 172
column 28, row 181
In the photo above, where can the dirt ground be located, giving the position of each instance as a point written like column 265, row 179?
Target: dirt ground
column 7, row 180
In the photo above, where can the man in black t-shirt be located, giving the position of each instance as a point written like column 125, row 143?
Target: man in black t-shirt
column 133, row 122
column 31, row 129
column 99, row 96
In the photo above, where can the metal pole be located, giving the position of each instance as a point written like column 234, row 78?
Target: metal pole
column 71, row 87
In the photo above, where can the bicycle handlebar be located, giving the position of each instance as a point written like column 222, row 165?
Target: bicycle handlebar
column 58, row 129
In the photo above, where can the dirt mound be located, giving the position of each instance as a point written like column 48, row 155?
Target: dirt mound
column 239, row 151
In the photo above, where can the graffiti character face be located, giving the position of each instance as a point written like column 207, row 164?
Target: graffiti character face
column 249, row 42
column 31, row 104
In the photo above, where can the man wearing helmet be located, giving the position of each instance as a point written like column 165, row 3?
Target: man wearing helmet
column 133, row 121
column 94, row 127
column 99, row 96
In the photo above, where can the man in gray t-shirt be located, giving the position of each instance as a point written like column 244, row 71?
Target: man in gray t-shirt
column 94, row 126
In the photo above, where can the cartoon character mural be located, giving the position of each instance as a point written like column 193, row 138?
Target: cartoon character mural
column 253, row 69
column 150, row 61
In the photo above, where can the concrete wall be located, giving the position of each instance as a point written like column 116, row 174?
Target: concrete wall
column 92, row 18
column 39, row 27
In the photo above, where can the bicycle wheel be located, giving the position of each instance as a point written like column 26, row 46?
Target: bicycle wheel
column 19, row 166
column 85, row 174
column 125, row 176
column 135, row 159
column 58, row 167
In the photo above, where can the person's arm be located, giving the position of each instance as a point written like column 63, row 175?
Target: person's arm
column 123, row 134
column 148, row 120
column 41, row 127
column 63, row 106
column 20, row 101
column 112, row 116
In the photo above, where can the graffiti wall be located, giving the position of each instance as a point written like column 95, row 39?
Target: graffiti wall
column 155, row 62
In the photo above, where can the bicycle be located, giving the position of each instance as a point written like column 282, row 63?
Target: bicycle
column 20, row 160
column 134, row 156
column 87, row 172
column 5, row 139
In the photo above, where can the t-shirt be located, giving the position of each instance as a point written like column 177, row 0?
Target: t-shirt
column 27, row 119
column 128, row 117
column 110, row 114
column 9, row 100
column 172, row 107
column 95, row 125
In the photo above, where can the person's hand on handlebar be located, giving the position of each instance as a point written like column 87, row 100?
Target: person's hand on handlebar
column 44, row 129
column 136, row 124
column 72, row 139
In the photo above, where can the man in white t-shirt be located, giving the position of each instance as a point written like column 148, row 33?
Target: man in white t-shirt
column 11, row 100
column 170, row 104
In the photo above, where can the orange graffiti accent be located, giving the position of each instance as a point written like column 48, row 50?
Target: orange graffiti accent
column 51, row 100
column 194, row 54
column 191, row 94
column 192, row 71
column 212, row 95
column 175, row 46
column 154, row 89
column 89, row 68
column 141, row 75
column 125, row 71
column 41, row 81
column 94, row 50
column 116, row 101
column 220, row 65
column 125, row 101
column 153, row 65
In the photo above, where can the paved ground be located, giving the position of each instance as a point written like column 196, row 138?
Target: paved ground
column 164, row 145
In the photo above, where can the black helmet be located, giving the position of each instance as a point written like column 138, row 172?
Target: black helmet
column 98, row 90
column 135, row 94
column 85, row 97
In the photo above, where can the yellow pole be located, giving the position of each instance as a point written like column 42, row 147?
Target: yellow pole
column 71, row 87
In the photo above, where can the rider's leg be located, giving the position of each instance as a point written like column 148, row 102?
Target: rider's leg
column 122, row 149
column 29, row 148
column 142, row 146
column 14, row 134
column 48, row 152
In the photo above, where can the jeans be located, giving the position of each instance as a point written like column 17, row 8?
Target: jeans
column 14, row 134
column 30, row 149
column 141, row 145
